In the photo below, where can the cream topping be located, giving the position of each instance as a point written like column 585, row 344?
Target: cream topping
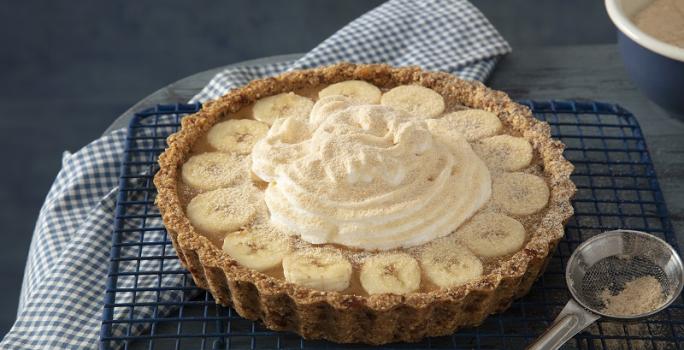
column 367, row 176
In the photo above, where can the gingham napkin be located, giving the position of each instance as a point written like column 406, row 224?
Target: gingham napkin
column 62, row 299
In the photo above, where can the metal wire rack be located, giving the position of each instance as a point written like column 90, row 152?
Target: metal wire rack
column 152, row 303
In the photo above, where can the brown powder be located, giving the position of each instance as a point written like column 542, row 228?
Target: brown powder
column 664, row 20
column 639, row 296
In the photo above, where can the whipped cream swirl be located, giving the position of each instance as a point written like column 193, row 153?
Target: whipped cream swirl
column 367, row 176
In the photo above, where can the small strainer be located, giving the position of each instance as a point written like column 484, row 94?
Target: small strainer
column 605, row 264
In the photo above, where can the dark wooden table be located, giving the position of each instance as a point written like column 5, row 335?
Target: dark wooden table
column 566, row 72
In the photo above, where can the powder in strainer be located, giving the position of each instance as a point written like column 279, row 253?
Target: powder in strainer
column 639, row 296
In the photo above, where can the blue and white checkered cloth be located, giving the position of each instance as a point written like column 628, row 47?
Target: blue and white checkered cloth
column 62, row 299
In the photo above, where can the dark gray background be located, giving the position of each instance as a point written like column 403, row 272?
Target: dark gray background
column 68, row 68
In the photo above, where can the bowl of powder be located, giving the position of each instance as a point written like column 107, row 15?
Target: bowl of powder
column 651, row 43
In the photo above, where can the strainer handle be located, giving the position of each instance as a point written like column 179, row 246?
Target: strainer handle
column 572, row 320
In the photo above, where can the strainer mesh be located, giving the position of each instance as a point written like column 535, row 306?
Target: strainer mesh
column 613, row 273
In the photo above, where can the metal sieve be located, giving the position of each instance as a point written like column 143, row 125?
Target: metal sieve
column 609, row 261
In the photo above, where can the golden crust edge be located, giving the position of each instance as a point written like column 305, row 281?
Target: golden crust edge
column 376, row 319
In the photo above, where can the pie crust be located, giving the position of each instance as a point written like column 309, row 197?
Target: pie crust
column 374, row 319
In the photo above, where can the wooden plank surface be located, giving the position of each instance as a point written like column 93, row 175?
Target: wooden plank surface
column 596, row 72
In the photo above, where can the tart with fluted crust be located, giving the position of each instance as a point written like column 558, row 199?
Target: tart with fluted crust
column 364, row 203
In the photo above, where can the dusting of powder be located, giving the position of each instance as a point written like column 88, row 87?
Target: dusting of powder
column 367, row 176
column 639, row 296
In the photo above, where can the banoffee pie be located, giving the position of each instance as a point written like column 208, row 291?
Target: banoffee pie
column 364, row 203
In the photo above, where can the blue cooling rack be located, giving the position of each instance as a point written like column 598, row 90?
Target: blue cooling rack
column 152, row 303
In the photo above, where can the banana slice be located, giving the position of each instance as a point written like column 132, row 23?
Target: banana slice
column 492, row 234
column 447, row 263
column 284, row 105
column 222, row 210
column 394, row 273
column 520, row 193
column 236, row 135
column 473, row 124
column 256, row 250
column 504, row 152
column 211, row 170
column 318, row 268
column 357, row 90
column 416, row 100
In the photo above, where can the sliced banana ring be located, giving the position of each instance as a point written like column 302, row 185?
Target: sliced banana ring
column 284, row 105
column 520, row 193
column 357, row 90
column 236, row 135
column 504, row 152
column 318, row 268
column 211, row 170
column 447, row 263
column 492, row 234
column 473, row 124
column 394, row 273
column 414, row 99
column 256, row 250
column 222, row 210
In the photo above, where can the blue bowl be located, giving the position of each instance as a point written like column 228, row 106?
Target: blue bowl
column 659, row 77
column 657, row 68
